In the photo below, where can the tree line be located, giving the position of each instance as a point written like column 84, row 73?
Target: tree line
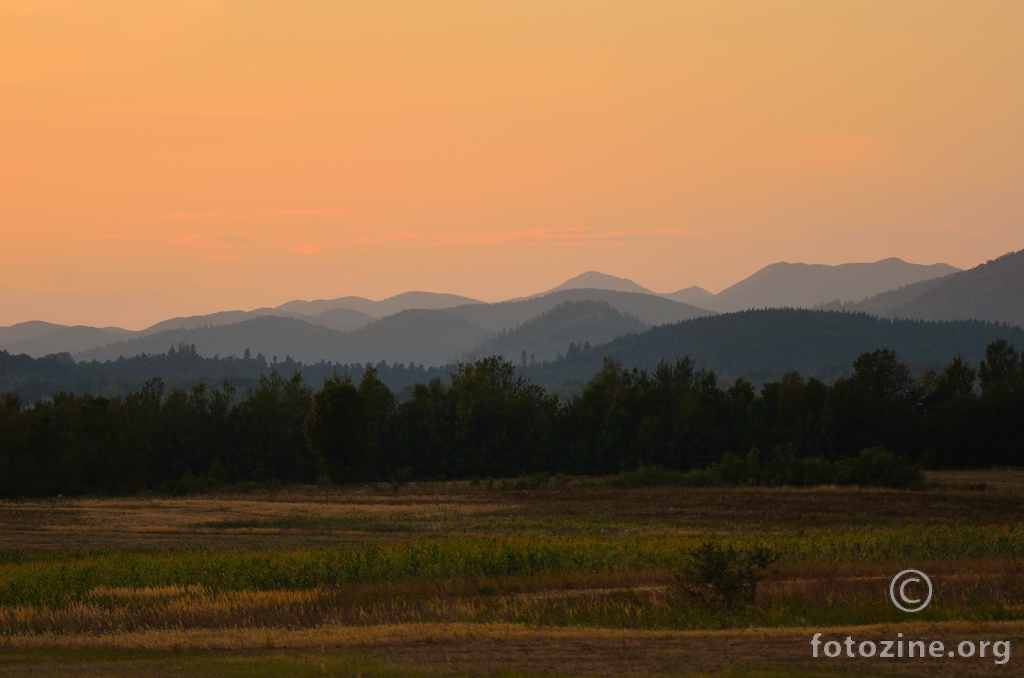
column 487, row 420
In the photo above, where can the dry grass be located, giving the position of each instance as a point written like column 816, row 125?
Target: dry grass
column 164, row 522
column 1000, row 479
column 307, row 516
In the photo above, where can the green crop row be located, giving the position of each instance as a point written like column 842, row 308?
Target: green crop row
column 58, row 578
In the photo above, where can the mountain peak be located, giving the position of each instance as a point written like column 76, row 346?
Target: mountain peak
column 600, row 281
column 693, row 295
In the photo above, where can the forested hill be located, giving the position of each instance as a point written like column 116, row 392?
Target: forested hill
column 548, row 335
column 763, row 345
column 993, row 291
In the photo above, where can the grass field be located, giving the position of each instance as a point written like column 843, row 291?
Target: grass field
column 460, row 578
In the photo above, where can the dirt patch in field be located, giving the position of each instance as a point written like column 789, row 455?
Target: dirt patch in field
column 289, row 519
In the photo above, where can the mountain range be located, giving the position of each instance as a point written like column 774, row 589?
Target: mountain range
column 993, row 291
column 593, row 308
column 422, row 336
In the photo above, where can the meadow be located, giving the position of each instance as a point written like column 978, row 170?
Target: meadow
column 574, row 577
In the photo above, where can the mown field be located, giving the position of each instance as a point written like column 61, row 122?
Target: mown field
column 575, row 578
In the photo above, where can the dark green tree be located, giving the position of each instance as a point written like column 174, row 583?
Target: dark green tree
column 339, row 431
column 381, row 415
column 268, row 430
column 1001, row 368
column 501, row 421
column 881, row 375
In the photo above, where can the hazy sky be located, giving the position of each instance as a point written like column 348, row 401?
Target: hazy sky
column 171, row 158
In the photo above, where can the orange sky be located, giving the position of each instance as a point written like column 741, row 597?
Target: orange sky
column 174, row 158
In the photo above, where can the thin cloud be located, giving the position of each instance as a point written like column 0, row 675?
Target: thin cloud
column 545, row 235
column 260, row 214
column 478, row 238
column 203, row 239
column 392, row 237
column 682, row 233
column 953, row 229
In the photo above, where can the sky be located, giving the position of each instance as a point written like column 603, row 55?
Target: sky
column 182, row 157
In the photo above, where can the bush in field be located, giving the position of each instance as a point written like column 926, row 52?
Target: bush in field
column 536, row 481
column 656, row 476
column 786, row 470
column 190, row 484
column 878, row 467
column 732, row 470
column 735, row 470
column 817, row 471
column 724, row 577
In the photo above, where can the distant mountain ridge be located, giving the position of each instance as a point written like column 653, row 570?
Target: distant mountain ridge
column 343, row 319
column 993, row 291
column 597, row 281
column 650, row 309
column 343, row 313
column 433, row 328
column 405, row 301
column 40, row 338
column 430, row 337
column 421, row 336
column 785, row 285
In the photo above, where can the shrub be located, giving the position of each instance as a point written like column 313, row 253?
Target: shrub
column 878, row 467
column 403, row 476
column 724, row 577
column 537, row 481
column 818, row 471
column 734, row 470
column 217, row 475
column 188, row 484
column 656, row 476
column 561, row 479
column 786, row 470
